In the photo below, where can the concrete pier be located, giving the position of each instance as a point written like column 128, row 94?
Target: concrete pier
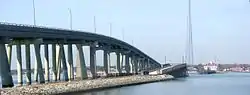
column 54, row 60
column 58, row 62
column 39, row 63
column 118, row 63
column 28, row 65
column 105, row 61
column 9, row 53
column 81, row 72
column 46, row 62
column 93, row 61
column 19, row 64
column 127, row 65
column 64, row 64
column 136, row 65
column 122, row 62
column 70, row 63
column 6, row 77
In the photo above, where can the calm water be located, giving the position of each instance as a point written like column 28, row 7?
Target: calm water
column 218, row 84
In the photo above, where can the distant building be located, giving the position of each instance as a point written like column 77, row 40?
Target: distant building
column 236, row 69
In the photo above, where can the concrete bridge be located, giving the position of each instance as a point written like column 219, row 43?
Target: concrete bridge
column 55, row 40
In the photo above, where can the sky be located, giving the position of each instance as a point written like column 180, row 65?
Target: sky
column 221, row 28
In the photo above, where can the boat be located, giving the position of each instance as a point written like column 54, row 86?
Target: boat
column 210, row 68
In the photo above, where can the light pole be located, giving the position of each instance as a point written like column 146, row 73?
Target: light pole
column 70, row 18
column 190, row 38
column 34, row 13
column 123, row 34
column 133, row 42
column 94, row 25
column 110, row 29
column 165, row 61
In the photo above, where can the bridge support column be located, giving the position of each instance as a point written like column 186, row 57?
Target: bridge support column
column 118, row 62
column 81, row 71
column 132, row 64
column 6, row 77
column 139, row 64
column 109, row 62
column 127, row 66
column 54, row 60
column 136, row 65
column 9, row 53
column 46, row 62
column 39, row 63
column 35, row 72
column 143, row 64
column 28, row 69
column 58, row 62
column 122, row 62
column 105, row 61
column 19, row 64
column 93, row 61
column 63, row 60
column 148, row 64
column 70, row 62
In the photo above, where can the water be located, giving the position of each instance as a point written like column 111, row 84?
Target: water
column 218, row 84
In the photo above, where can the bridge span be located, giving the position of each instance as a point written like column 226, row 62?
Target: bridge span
column 54, row 41
column 18, row 35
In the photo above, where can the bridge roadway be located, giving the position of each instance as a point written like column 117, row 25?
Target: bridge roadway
column 26, row 35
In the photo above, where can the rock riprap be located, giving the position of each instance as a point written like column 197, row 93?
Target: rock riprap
column 83, row 85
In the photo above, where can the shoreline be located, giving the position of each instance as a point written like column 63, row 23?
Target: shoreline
column 65, row 88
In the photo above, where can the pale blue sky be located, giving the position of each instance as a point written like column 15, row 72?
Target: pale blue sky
column 221, row 28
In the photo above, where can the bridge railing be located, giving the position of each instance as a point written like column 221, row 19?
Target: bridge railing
column 35, row 26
